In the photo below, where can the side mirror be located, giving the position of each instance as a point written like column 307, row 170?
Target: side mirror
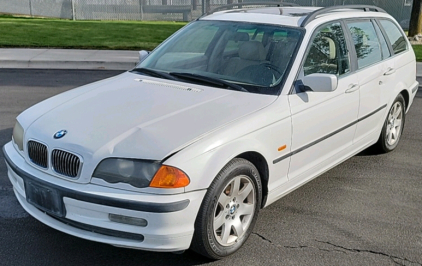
column 142, row 55
column 320, row 82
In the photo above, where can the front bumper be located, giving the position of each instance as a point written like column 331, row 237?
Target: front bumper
column 83, row 210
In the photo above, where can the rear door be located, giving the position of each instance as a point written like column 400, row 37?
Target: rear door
column 368, row 50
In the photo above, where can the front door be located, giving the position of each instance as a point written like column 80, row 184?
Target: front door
column 324, row 123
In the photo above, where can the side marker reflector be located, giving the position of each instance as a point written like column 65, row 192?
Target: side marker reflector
column 282, row 148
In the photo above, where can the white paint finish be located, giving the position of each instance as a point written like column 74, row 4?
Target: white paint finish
column 321, row 82
column 370, row 100
column 146, row 119
column 276, row 19
column 316, row 115
column 388, row 66
column 262, row 132
column 405, row 73
column 308, row 175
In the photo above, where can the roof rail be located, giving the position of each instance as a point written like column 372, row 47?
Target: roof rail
column 324, row 10
column 244, row 4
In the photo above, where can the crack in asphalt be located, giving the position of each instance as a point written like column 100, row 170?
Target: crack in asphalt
column 262, row 237
column 397, row 260
column 392, row 257
column 294, row 247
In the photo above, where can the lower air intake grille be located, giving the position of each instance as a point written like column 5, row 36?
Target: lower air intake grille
column 65, row 163
column 38, row 154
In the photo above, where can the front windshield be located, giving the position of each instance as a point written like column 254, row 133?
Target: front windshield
column 254, row 56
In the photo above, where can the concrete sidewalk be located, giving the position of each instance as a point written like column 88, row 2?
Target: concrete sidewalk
column 78, row 59
column 68, row 59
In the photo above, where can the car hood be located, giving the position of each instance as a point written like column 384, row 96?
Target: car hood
column 136, row 116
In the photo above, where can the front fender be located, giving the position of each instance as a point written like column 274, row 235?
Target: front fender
column 203, row 161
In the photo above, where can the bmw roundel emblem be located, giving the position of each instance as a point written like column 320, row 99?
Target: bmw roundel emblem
column 60, row 134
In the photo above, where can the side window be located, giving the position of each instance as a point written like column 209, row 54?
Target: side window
column 366, row 43
column 394, row 35
column 328, row 52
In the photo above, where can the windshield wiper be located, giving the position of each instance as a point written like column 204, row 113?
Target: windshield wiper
column 214, row 81
column 153, row 73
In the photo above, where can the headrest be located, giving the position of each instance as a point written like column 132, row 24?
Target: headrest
column 364, row 40
column 240, row 36
column 252, row 50
column 331, row 47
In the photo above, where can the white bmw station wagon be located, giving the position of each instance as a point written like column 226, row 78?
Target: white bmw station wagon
column 232, row 112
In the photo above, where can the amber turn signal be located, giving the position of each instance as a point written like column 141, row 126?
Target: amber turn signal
column 169, row 177
column 282, row 148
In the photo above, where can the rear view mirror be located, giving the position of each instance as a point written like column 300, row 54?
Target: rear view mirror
column 319, row 82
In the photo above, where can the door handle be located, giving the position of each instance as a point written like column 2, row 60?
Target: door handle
column 390, row 71
column 352, row 88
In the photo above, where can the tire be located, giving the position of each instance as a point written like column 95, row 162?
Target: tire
column 229, row 210
column 393, row 126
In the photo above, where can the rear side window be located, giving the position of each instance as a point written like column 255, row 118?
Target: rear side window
column 394, row 35
column 366, row 43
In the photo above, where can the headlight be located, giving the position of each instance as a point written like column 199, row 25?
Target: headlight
column 137, row 173
column 18, row 135
column 141, row 173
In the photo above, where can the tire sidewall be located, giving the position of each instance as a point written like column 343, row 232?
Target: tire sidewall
column 233, row 169
column 384, row 138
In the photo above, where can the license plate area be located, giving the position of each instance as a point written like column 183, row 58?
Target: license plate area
column 44, row 198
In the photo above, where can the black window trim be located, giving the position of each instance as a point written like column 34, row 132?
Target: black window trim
column 350, row 47
column 380, row 35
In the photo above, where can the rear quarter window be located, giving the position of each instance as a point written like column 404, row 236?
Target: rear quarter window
column 395, row 36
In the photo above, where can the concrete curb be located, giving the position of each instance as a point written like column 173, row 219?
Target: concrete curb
column 98, row 65
column 68, row 59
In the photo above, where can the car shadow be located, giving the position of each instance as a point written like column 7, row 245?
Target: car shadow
column 370, row 151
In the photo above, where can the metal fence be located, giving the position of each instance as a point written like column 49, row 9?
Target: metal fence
column 165, row 9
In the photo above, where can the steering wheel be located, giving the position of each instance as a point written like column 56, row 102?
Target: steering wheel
column 274, row 69
column 262, row 74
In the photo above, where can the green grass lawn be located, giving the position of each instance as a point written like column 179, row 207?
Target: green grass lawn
column 114, row 35
column 57, row 33
column 418, row 52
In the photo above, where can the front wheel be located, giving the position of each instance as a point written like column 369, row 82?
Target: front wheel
column 229, row 210
column 393, row 126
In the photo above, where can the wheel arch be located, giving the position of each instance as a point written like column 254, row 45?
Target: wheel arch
column 261, row 164
column 406, row 97
column 203, row 168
